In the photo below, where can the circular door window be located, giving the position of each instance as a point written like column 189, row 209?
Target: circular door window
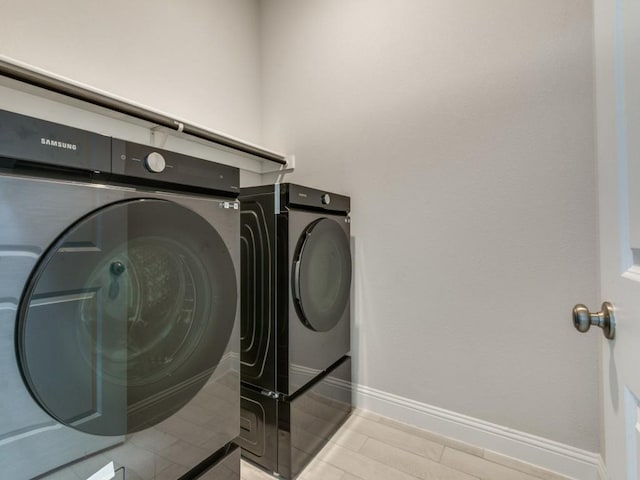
column 126, row 316
column 322, row 274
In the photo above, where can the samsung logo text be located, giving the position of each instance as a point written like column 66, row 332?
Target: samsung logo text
column 56, row 143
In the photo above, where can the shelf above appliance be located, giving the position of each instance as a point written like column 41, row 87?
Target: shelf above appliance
column 50, row 82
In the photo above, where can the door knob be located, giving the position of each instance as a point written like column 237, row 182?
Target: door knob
column 583, row 319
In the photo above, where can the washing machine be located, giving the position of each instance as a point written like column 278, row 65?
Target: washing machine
column 119, row 308
column 295, row 323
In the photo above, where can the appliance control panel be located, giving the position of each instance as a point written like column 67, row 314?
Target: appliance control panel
column 52, row 145
column 151, row 164
column 299, row 196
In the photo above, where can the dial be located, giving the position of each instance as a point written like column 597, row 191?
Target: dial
column 154, row 162
column 326, row 199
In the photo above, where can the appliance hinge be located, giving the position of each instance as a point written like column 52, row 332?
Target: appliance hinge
column 270, row 394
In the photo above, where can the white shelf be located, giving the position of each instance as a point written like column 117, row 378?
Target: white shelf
column 31, row 91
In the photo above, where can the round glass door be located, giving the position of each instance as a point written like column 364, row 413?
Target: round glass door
column 126, row 316
column 322, row 275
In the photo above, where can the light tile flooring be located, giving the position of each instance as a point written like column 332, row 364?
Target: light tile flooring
column 371, row 447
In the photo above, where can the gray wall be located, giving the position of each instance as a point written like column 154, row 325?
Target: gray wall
column 195, row 59
column 463, row 131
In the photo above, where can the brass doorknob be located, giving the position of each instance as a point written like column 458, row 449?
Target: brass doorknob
column 583, row 319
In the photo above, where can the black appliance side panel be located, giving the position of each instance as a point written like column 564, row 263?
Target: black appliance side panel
column 258, row 428
column 306, row 423
column 258, row 284
column 282, row 301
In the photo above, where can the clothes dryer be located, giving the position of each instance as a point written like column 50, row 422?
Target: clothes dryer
column 295, row 323
column 119, row 337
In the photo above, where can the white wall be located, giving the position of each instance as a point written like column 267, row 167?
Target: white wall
column 195, row 59
column 463, row 131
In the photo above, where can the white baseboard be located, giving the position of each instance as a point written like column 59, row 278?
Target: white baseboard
column 602, row 470
column 547, row 454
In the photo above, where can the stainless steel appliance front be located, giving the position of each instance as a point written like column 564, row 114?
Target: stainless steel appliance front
column 119, row 338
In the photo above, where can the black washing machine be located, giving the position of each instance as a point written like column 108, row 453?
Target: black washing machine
column 295, row 323
column 119, row 308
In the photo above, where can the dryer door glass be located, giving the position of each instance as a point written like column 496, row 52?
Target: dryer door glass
column 126, row 316
column 322, row 274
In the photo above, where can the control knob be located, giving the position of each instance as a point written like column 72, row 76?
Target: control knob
column 326, row 199
column 154, row 162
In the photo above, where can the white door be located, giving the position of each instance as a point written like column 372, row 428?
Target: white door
column 617, row 67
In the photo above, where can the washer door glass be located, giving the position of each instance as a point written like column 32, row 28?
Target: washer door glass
column 322, row 274
column 126, row 316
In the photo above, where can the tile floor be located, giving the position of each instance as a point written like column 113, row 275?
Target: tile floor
column 371, row 447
